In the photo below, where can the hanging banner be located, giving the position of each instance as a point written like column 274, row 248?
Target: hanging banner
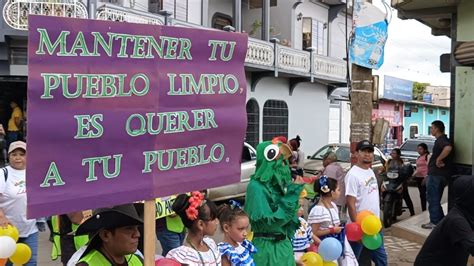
column 369, row 37
column 121, row 112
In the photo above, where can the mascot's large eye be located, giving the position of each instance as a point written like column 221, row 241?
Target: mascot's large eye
column 271, row 152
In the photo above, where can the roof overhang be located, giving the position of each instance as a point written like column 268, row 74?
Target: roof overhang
column 435, row 14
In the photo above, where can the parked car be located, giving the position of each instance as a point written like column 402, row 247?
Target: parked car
column 314, row 164
column 237, row 190
column 409, row 148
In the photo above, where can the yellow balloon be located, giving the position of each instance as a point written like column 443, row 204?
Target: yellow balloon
column 329, row 263
column 311, row 259
column 10, row 231
column 22, row 254
column 371, row 225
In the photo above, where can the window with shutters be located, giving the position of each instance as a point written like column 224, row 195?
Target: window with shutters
column 253, row 123
column 314, row 32
column 275, row 119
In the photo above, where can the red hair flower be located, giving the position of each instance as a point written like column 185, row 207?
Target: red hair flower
column 192, row 213
column 195, row 201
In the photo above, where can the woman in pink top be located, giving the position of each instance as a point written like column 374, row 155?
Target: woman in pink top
column 422, row 172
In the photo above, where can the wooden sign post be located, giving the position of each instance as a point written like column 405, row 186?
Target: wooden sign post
column 150, row 233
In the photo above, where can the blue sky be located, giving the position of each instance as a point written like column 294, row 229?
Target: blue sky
column 412, row 53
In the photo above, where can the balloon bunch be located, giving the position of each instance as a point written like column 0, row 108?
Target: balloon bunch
column 166, row 262
column 312, row 259
column 18, row 253
column 329, row 250
column 366, row 228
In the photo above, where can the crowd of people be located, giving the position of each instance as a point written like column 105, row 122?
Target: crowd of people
column 274, row 212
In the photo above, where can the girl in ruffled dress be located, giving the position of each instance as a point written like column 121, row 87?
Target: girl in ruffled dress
column 200, row 218
column 236, row 250
column 324, row 218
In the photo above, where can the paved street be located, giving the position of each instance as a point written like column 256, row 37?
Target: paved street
column 400, row 251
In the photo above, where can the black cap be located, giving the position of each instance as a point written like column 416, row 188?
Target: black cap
column 365, row 144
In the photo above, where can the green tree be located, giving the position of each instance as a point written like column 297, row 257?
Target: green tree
column 418, row 90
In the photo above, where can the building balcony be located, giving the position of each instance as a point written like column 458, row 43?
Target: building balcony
column 15, row 12
column 117, row 13
column 262, row 56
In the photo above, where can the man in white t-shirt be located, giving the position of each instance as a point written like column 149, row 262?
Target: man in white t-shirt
column 362, row 193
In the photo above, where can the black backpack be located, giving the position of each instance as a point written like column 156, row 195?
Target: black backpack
column 5, row 173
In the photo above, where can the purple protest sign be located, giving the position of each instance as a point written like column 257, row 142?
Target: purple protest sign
column 121, row 112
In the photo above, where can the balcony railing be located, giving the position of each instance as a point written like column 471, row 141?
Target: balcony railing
column 293, row 60
column 122, row 14
column 15, row 12
column 329, row 68
column 260, row 54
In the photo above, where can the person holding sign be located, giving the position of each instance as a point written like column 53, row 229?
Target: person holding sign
column 65, row 244
column 169, row 227
column 13, row 199
column 272, row 202
column 170, row 232
column 200, row 218
column 114, row 237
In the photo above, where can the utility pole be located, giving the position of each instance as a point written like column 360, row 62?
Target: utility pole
column 361, row 104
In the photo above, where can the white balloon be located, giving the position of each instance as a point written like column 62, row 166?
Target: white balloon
column 7, row 246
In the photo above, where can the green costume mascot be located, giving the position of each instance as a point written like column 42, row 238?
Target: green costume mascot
column 272, row 204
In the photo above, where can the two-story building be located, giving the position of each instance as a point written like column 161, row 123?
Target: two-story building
column 295, row 56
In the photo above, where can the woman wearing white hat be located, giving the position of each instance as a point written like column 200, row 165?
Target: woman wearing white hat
column 13, row 199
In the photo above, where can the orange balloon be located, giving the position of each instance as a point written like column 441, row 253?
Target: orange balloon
column 3, row 262
column 303, row 194
column 361, row 215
